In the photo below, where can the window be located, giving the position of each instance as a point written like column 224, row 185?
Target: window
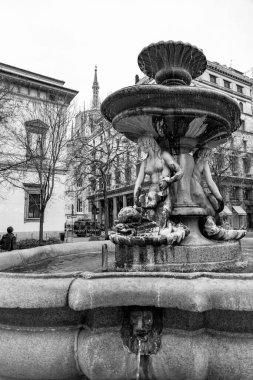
column 246, row 164
column 223, row 191
column 128, row 175
column 241, row 106
column 100, row 183
column 234, row 166
column 234, row 193
column 79, row 182
column 239, row 89
column 243, row 125
column 34, row 206
column 108, row 180
column 247, row 194
column 213, row 79
column 92, row 184
column 36, row 138
column 245, row 145
column 32, row 202
column 226, row 84
column 79, row 205
column 51, row 97
column 117, row 177
column 218, row 160
column 92, row 126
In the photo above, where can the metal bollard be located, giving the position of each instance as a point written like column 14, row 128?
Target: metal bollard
column 104, row 258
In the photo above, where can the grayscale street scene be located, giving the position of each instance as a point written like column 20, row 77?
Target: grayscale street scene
column 126, row 190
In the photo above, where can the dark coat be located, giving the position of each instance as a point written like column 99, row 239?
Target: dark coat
column 8, row 242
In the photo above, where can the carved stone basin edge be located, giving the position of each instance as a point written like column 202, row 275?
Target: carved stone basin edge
column 83, row 291
column 199, row 293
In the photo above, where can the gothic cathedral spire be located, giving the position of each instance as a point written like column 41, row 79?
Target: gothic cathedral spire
column 95, row 88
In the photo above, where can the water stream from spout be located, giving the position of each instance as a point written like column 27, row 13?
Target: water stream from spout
column 138, row 359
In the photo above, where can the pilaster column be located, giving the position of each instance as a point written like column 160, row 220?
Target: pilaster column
column 99, row 216
column 226, row 195
column 115, row 211
column 124, row 201
column 240, row 194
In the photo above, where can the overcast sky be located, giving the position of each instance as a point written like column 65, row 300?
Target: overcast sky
column 65, row 39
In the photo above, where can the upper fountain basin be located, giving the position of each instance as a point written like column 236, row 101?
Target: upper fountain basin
column 175, row 112
column 172, row 63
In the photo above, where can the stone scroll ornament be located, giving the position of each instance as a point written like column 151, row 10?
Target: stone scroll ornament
column 219, row 233
column 208, row 197
column 210, row 200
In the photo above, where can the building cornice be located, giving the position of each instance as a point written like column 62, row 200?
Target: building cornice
column 12, row 70
column 223, row 89
column 119, row 191
column 216, row 68
column 229, row 72
column 28, row 81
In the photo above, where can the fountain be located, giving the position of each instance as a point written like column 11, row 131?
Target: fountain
column 174, row 305
column 177, row 125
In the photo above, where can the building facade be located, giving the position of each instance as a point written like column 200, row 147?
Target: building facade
column 237, row 184
column 236, row 180
column 20, row 190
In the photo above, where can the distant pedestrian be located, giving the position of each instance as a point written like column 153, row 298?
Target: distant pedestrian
column 8, row 241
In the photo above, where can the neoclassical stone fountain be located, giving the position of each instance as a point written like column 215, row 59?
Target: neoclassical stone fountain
column 165, row 310
column 177, row 125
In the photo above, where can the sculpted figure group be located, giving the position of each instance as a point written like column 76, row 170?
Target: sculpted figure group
column 164, row 170
column 150, row 218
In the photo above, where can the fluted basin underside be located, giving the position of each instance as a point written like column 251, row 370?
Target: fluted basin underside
column 173, row 112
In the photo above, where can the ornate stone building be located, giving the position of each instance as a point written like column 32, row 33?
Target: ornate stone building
column 19, row 206
column 237, row 179
column 237, row 186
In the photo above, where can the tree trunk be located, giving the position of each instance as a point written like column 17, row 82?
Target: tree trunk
column 106, row 216
column 42, row 212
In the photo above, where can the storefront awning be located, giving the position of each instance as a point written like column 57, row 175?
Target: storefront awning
column 239, row 210
column 226, row 211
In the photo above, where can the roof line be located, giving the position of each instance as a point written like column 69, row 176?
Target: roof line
column 5, row 66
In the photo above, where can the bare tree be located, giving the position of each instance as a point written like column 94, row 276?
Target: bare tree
column 99, row 157
column 8, row 108
column 38, row 140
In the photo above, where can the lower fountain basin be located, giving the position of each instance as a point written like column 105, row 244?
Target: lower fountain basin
column 69, row 326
